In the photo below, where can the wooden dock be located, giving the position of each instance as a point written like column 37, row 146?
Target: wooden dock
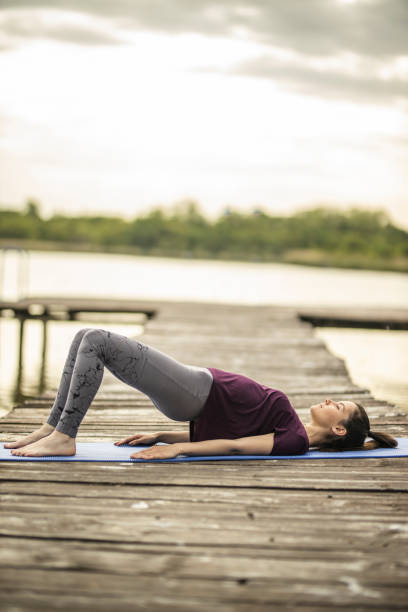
column 361, row 318
column 49, row 308
column 231, row 536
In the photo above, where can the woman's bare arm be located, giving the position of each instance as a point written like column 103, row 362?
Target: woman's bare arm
column 252, row 445
column 152, row 438
column 173, row 436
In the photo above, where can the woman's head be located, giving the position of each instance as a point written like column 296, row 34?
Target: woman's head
column 345, row 426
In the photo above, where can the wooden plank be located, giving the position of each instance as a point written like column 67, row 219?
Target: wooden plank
column 175, row 506
column 42, row 551
column 327, row 475
column 185, row 562
column 134, row 525
column 381, row 502
column 266, row 591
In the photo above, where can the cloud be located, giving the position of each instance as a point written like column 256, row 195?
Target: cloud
column 328, row 83
column 18, row 26
column 374, row 28
column 373, row 32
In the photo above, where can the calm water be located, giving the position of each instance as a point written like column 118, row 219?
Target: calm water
column 376, row 359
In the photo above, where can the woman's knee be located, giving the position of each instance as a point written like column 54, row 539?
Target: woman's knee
column 93, row 335
column 81, row 333
column 97, row 340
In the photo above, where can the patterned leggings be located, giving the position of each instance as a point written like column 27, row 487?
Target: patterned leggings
column 178, row 391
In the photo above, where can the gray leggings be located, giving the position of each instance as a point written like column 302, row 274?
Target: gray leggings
column 178, row 391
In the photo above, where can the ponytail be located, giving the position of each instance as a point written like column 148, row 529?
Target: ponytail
column 380, row 439
column 357, row 430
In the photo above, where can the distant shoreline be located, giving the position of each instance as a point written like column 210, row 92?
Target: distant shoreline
column 303, row 257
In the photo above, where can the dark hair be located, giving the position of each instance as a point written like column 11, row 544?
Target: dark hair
column 358, row 429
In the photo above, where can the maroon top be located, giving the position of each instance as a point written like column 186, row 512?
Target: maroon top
column 238, row 407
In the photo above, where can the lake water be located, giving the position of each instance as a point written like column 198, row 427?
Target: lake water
column 377, row 360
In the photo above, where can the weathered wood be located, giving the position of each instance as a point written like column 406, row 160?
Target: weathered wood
column 188, row 562
column 282, row 475
column 364, row 318
column 67, row 308
column 271, row 590
column 238, row 536
column 348, row 500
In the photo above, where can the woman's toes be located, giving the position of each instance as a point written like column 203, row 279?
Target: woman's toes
column 19, row 443
column 21, row 451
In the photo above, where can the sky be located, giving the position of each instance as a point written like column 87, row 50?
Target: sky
column 115, row 107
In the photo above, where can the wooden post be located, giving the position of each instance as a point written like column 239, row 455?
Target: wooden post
column 17, row 396
column 22, row 321
column 41, row 384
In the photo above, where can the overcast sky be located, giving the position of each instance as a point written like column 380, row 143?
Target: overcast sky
column 117, row 106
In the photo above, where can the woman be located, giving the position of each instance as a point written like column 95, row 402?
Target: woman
column 229, row 414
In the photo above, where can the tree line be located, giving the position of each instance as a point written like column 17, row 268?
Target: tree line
column 319, row 236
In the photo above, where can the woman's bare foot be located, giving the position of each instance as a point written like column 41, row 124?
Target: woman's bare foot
column 56, row 443
column 44, row 430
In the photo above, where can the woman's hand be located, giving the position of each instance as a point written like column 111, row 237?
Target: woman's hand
column 140, row 440
column 158, row 452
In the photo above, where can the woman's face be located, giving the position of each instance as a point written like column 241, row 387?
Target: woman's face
column 330, row 414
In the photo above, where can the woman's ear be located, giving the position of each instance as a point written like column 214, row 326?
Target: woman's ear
column 339, row 430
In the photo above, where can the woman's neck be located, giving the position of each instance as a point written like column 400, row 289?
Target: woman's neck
column 314, row 433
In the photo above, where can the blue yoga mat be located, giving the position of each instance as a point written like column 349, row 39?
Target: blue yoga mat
column 107, row 451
